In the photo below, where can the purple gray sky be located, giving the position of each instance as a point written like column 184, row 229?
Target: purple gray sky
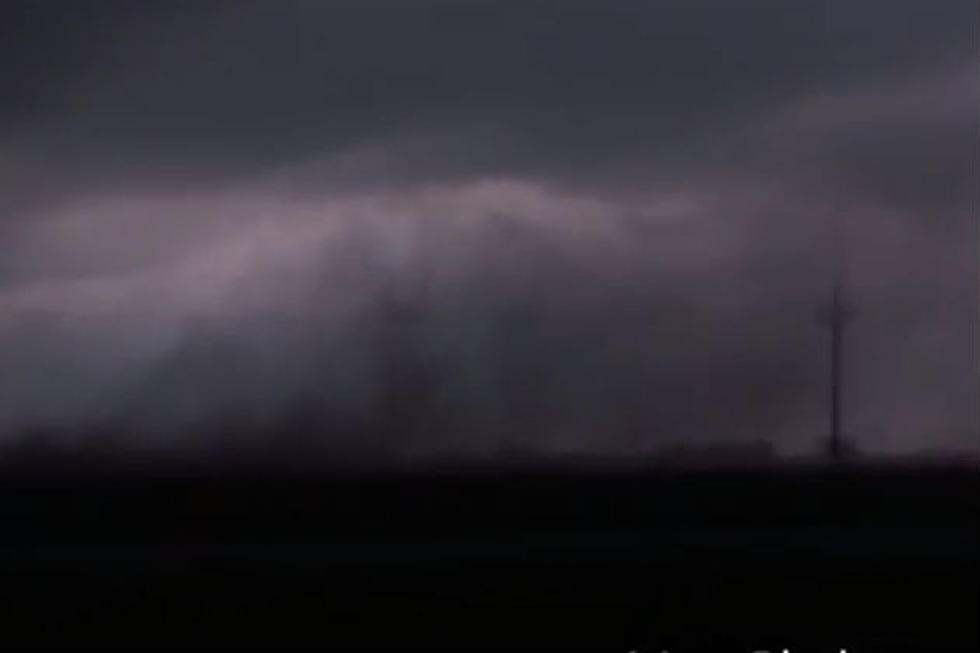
column 613, row 218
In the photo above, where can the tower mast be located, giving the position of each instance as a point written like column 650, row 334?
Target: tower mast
column 836, row 318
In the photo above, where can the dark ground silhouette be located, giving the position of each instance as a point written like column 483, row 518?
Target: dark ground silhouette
column 494, row 557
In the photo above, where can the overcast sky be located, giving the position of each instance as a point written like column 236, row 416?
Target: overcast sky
column 610, row 220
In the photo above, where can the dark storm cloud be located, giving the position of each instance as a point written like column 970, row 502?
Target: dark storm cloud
column 246, row 83
column 618, row 209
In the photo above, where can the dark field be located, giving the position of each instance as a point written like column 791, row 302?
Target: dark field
column 867, row 559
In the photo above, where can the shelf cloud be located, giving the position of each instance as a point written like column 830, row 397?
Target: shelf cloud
column 606, row 224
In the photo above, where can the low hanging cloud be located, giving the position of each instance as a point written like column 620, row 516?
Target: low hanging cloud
column 599, row 227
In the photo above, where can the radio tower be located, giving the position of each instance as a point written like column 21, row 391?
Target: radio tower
column 836, row 317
